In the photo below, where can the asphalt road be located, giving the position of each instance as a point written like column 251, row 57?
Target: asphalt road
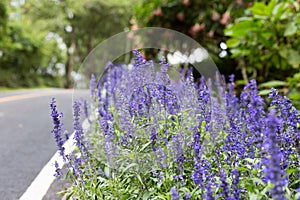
column 26, row 142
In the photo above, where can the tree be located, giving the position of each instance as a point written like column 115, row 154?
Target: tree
column 81, row 24
column 27, row 54
column 3, row 18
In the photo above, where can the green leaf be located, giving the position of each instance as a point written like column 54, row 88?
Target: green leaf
column 140, row 179
column 232, row 42
column 283, row 52
column 264, row 92
column 257, row 180
column 295, row 96
column 239, row 52
column 271, row 6
column 243, row 169
column 107, row 171
column 274, row 84
column 253, row 196
column 145, row 146
column 290, row 171
column 293, row 58
column 278, row 10
column 70, row 195
column 259, row 8
column 146, row 195
column 128, row 167
column 243, row 28
column 291, row 29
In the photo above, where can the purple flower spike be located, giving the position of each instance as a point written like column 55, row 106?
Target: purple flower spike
column 57, row 129
column 79, row 134
column 225, row 186
column 58, row 173
column 93, row 86
column 236, row 180
column 188, row 196
column 274, row 173
column 209, row 194
column 174, row 194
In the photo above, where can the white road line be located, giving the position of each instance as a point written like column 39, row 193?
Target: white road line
column 41, row 184
column 33, row 95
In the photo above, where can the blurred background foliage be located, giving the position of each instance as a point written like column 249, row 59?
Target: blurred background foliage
column 42, row 42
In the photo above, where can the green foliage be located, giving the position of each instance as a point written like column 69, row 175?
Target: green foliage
column 42, row 34
column 26, row 56
column 3, row 18
column 294, row 92
column 267, row 39
column 204, row 21
column 81, row 24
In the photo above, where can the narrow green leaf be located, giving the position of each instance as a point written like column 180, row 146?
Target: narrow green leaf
column 278, row 10
column 128, row 167
column 274, row 84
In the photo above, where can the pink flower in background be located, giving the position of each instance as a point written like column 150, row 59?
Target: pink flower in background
column 196, row 29
column 215, row 16
column 134, row 27
column 211, row 34
column 225, row 18
column 158, row 12
column 186, row 2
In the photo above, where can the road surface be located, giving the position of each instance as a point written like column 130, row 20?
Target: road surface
column 26, row 143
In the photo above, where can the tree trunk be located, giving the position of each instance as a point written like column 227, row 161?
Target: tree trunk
column 70, row 66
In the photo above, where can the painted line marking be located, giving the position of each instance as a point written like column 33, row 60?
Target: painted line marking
column 33, row 95
column 41, row 184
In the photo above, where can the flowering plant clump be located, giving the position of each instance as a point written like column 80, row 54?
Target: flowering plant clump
column 151, row 137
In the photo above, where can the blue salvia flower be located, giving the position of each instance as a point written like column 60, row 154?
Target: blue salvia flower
column 290, row 115
column 58, row 172
column 178, row 153
column 93, row 86
column 203, row 102
column 164, row 68
column 208, row 192
column 225, row 194
column 232, row 100
column 252, row 109
column 174, row 194
column 235, row 182
column 298, row 191
column 198, row 173
column 138, row 58
column 77, row 166
column 79, row 133
column 85, row 109
column 188, row 196
column 161, row 178
column 153, row 138
column 235, row 141
column 57, row 129
column 274, row 173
